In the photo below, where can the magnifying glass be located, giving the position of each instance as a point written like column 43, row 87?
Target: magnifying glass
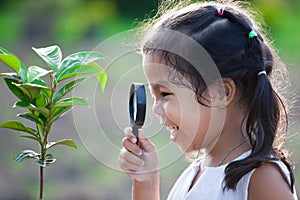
column 137, row 106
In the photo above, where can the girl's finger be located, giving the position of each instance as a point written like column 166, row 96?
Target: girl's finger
column 128, row 166
column 145, row 143
column 130, row 157
column 132, row 147
column 129, row 134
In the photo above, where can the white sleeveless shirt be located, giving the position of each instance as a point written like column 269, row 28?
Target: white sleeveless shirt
column 210, row 184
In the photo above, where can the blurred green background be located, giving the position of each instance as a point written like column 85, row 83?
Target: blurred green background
column 77, row 25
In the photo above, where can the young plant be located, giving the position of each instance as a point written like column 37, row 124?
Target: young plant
column 44, row 103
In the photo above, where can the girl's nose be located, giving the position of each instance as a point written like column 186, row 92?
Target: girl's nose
column 158, row 109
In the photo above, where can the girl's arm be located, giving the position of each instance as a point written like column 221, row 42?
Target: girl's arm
column 147, row 190
column 140, row 162
column 268, row 183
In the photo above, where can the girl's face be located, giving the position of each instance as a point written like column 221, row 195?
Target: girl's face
column 177, row 108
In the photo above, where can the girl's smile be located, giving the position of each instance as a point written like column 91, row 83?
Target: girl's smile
column 173, row 130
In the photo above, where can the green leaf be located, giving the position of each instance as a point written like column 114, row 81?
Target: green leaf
column 14, row 63
column 32, row 138
column 30, row 117
column 32, row 91
column 71, row 101
column 41, row 163
column 59, row 112
column 26, row 154
column 48, row 156
column 102, row 78
column 81, row 58
column 4, row 51
column 40, row 127
column 45, row 89
column 23, row 73
column 35, row 72
column 76, row 70
column 77, row 59
column 50, row 161
column 66, row 88
column 46, row 162
column 10, row 74
column 31, row 107
column 43, row 111
column 16, row 125
column 41, row 101
column 101, row 75
column 15, row 90
column 44, row 92
column 91, row 68
column 22, row 104
column 39, row 81
column 65, row 142
column 10, row 60
column 51, row 55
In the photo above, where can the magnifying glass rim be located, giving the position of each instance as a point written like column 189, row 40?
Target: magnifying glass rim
column 138, row 91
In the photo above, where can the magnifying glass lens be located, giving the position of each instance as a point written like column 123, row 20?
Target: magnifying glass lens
column 137, row 106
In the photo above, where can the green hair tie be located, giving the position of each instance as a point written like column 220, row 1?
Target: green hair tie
column 252, row 34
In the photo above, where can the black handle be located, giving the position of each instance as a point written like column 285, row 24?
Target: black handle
column 135, row 131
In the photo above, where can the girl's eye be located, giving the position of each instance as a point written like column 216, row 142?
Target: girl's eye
column 164, row 94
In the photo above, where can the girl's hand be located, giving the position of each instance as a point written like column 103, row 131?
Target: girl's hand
column 139, row 161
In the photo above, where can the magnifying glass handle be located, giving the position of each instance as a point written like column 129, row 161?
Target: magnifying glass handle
column 135, row 131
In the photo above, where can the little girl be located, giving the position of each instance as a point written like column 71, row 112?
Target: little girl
column 234, row 116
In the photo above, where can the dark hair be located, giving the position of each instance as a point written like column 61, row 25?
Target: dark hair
column 240, row 58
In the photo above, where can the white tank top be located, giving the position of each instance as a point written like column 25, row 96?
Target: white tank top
column 210, row 184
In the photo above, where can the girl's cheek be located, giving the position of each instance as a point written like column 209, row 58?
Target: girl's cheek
column 172, row 110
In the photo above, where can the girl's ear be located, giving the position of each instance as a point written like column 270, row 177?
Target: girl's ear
column 225, row 92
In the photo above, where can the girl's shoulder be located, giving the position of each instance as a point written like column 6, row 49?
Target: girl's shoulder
column 270, row 181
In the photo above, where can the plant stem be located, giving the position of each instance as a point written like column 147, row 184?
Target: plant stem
column 41, row 182
column 42, row 173
column 47, row 130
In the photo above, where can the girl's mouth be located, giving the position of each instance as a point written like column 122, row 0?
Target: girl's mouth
column 174, row 132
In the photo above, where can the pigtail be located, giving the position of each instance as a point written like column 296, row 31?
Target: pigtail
column 263, row 117
column 264, row 108
column 261, row 127
column 262, row 122
column 264, row 114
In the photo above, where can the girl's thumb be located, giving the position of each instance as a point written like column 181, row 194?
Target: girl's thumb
column 145, row 143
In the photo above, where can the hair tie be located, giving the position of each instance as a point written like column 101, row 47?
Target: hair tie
column 252, row 34
column 220, row 11
column 262, row 73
